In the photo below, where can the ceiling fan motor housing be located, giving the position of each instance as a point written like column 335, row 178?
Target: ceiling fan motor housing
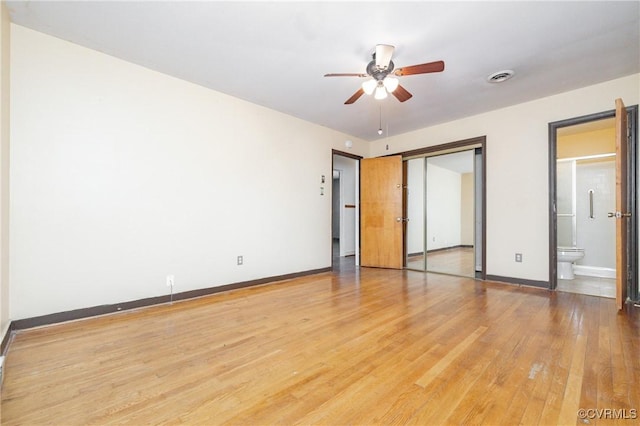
column 377, row 73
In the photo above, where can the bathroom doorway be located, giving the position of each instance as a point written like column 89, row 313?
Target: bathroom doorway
column 582, row 200
column 586, row 179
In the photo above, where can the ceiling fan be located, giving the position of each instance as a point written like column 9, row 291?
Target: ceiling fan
column 381, row 83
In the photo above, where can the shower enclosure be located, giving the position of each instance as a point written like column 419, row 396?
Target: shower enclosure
column 585, row 194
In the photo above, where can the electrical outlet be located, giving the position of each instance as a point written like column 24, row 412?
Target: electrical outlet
column 519, row 257
column 170, row 280
column 240, row 260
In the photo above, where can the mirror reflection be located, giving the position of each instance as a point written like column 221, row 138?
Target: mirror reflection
column 441, row 231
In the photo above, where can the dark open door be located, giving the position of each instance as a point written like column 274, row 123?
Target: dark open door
column 381, row 212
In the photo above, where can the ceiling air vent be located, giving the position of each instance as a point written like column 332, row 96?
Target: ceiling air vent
column 500, row 76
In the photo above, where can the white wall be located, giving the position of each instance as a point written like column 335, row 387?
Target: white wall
column 121, row 175
column 443, row 207
column 518, row 168
column 450, row 210
column 467, row 209
column 5, row 35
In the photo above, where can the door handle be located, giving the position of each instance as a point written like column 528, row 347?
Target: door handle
column 402, row 219
column 618, row 215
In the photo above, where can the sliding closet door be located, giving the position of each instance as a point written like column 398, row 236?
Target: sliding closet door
column 415, row 213
column 445, row 212
column 478, row 208
column 450, row 211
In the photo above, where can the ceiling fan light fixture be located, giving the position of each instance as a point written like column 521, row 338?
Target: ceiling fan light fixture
column 391, row 84
column 381, row 92
column 369, row 86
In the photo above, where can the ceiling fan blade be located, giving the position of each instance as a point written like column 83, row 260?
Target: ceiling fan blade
column 436, row 66
column 402, row 94
column 384, row 52
column 345, row 75
column 355, row 97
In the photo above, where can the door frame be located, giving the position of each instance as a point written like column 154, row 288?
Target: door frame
column 632, row 188
column 479, row 142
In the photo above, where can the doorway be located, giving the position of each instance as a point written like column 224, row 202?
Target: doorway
column 344, row 210
column 582, row 179
column 585, row 192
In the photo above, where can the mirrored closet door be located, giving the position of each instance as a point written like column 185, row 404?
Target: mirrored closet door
column 443, row 207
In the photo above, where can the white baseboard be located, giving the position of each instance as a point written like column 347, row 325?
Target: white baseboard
column 594, row 271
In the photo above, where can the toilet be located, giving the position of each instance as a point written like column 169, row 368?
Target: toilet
column 566, row 257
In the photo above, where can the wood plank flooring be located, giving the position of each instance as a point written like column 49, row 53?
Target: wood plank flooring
column 455, row 261
column 360, row 346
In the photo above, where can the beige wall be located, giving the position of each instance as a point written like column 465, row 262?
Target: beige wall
column 131, row 175
column 518, row 168
column 4, row 168
column 594, row 142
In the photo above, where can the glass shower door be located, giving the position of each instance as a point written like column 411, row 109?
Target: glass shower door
column 566, row 218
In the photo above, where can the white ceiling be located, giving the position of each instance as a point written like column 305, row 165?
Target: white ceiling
column 276, row 53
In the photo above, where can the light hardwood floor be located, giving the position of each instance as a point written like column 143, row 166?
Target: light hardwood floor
column 362, row 346
column 455, row 261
